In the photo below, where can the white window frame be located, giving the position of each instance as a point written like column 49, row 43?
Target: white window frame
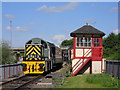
column 84, row 40
column 96, row 42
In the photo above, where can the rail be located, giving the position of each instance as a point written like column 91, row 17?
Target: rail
column 10, row 70
column 20, row 82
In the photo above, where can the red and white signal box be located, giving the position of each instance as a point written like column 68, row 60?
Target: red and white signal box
column 87, row 51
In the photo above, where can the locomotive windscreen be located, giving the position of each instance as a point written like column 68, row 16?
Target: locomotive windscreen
column 33, row 53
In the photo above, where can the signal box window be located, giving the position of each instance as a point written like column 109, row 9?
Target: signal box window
column 96, row 42
column 84, row 42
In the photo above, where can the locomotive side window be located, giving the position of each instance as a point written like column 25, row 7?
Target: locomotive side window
column 84, row 41
column 44, row 44
column 96, row 42
column 29, row 42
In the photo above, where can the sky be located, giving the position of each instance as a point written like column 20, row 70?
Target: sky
column 54, row 21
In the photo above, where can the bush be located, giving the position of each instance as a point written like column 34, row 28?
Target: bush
column 103, row 79
column 7, row 56
column 111, row 46
column 109, row 82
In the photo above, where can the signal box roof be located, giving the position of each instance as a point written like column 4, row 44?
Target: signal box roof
column 87, row 30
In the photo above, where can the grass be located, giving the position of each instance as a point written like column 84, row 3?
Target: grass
column 103, row 79
column 90, row 81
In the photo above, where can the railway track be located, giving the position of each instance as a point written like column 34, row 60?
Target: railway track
column 20, row 82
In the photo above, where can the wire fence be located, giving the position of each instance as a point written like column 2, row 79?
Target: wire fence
column 113, row 68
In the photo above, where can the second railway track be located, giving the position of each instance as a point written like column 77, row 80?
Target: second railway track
column 20, row 82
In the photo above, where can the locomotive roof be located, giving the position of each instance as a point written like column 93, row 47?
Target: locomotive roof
column 34, row 39
column 39, row 40
column 51, row 44
column 87, row 30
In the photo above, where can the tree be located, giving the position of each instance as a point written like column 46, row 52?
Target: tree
column 67, row 43
column 111, row 46
column 7, row 56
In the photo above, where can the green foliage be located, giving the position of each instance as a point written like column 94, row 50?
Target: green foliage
column 22, row 54
column 103, row 79
column 7, row 56
column 111, row 46
column 90, row 81
column 67, row 42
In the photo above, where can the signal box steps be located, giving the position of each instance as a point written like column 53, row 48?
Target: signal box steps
column 79, row 65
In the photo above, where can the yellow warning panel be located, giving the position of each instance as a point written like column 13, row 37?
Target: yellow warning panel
column 33, row 67
column 33, row 52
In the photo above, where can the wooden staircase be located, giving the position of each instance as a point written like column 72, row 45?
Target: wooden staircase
column 81, row 63
column 78, row 66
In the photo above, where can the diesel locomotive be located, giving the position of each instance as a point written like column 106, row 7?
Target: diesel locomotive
column 40, row 56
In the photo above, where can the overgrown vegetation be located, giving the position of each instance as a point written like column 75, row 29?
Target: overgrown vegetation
column 103, row 79
column 90, row 81
column 7, row 56
column 111, row 46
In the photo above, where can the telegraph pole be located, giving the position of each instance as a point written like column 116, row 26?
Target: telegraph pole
column 11, row 31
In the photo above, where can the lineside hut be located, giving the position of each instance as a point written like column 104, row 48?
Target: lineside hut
column 87, row 51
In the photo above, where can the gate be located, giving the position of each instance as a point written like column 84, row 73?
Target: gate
column 113, row 67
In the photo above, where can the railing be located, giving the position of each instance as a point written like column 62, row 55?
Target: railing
column 10, row 70
column 113, row 67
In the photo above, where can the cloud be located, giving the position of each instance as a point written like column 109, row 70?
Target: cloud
column 90, row 20
column 8, row 28
column 32, row 23
column 114, row 9
column 9, row 16
column 58, row 38
column 116, row 31
column 57, row 9
column 18, row 28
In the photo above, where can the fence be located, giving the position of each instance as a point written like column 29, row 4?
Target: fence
column 113, row 67
column 10, row 70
